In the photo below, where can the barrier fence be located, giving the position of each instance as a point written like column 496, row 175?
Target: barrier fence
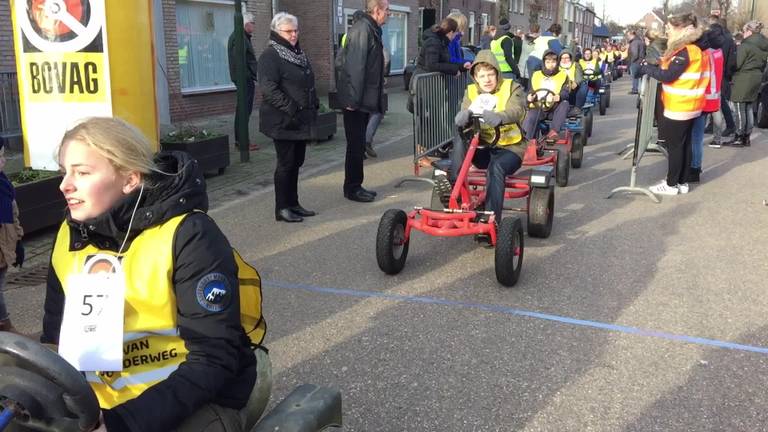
column 10, row 117
column 436, row 101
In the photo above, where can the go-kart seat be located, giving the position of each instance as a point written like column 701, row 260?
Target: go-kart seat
column 259, row 399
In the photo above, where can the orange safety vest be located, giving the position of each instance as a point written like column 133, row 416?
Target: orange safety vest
column 684, row 98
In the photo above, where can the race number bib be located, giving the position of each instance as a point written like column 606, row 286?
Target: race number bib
column 92, row 327
column 485, row 101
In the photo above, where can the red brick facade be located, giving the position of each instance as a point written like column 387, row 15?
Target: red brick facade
column 7, row 55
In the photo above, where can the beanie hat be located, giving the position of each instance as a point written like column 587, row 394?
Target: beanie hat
column 504, row 25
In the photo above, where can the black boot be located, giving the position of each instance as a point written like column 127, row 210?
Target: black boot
column 746, row 140
column 738, row 140
column 693, row 175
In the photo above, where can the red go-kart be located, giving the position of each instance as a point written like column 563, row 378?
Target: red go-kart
column 543, row 152
column 465, row 215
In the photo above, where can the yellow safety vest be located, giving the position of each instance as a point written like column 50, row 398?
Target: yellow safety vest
column 570, row 72
column 509, row 133
column 498, row 52
column 554, row 83
column 344, row 40
column 152, row 347
column 591, row 67
column 684, row 98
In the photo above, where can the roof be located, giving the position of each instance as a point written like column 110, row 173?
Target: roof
column 601, row 31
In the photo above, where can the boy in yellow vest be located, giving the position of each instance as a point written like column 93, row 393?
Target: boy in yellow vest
column 506, row 156
column 556, row 81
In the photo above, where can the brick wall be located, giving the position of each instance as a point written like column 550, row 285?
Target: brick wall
column 183, row 107
column 7, row 55
column 314, row 37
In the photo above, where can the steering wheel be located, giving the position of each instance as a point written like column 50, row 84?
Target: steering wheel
column 542, row 102
column 467, row 133
column 44, row 392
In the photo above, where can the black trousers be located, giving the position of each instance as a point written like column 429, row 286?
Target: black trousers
column 677, row 136
column 290, row 157
column 355, row 124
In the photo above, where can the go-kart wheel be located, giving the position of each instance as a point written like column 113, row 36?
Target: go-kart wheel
column 509, row 251
column 563, row 167
column 608, row 97
column 603, row 104
column 638, row 102
column 50, row 394
column 541, row 211
column 588, row 124
column 391, row 246
column 577, row 150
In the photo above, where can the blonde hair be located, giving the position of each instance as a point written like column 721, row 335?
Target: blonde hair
column 460, row 19
column 126, row 148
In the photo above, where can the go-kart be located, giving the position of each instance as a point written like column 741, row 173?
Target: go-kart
column 600, row 98
column 40, row 391
column 563, row 150
column 465, row 215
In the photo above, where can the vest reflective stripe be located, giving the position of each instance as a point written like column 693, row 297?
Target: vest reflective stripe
column 683, row 98
column 152, row 348
column 554, row 83
column 510, row 133
column 498, row 52
column 712, row 94
column 344, row 40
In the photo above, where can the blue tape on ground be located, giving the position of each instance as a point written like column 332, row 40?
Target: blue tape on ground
column 520, row 312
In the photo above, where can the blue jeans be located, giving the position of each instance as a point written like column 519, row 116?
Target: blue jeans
column 581, row 95
column 373, row 125
column 697, row 140
column 500, row 163
column 634, row 68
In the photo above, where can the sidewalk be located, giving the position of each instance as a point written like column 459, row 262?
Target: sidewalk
column 239, row 179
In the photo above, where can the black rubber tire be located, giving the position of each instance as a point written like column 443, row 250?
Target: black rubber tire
column 391, row 229
column 603, row 104
column 588, row 120
column 762, row 115
column 562, row 168
column 608, row 98
column 577, row 150
column 435, row 203
column 541, row 211
column 509, row 238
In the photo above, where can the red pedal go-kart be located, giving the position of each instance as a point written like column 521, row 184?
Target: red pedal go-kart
column 543, row 152
column 465, row 215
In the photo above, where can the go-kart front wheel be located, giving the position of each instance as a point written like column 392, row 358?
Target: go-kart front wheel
column 577, row 149
column 588, row 124
column 608, row 97
column 603, row 104
column 541, row 211
column 391, row 245
column 563, row 167
column 509, row 251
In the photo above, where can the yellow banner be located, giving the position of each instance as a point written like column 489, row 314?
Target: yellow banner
column 65, row 77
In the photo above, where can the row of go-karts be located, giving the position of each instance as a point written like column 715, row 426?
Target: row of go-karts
column 464, row 214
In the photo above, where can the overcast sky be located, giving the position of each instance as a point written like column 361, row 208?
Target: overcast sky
column 624, row 11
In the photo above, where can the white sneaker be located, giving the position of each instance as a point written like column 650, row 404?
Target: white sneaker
column 683, row 188
column 664, row 189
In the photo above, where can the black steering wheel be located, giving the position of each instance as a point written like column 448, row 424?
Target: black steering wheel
column 542, row 102
column 44, row 391
column 467, row 133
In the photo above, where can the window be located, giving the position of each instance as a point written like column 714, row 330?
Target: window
column 484, row 21
column 394, row 35
column 471, row 28
column 203, row 30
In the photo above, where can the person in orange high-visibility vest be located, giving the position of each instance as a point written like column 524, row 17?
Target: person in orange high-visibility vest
column 684, row 75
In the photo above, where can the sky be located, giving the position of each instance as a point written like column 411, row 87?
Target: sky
column 624, row 11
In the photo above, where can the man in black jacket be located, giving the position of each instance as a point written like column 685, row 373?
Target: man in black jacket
column 251, row 66
column 359, row 85
column 729, row 67
column 636, row 56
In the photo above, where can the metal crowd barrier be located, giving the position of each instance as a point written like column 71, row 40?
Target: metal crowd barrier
column 10, row 116
column 436, row 101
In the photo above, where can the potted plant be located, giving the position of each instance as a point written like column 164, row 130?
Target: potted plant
column 41, row 203
column 326, row 124
column 210, row 149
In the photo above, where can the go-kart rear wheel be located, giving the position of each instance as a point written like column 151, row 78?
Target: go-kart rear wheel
column 509, row 251
column 541, row 211
column 391, row 246
column 562, row 169
column 608, row 97
column 603, row 104
column 588, row 124
column 577, row 150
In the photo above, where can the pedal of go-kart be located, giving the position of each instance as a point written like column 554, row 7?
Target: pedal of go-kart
column 531, row 153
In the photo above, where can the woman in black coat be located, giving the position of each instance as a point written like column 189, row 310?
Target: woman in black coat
column 288, row 113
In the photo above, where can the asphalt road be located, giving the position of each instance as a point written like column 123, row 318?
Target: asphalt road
column 632, row 316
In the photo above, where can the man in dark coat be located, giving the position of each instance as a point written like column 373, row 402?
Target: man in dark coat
column 636, row 56
column 360, row 85
column 729, row 67
column 252, row 67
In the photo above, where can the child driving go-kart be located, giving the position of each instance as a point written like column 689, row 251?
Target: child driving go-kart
column 502, row 115
column 578, row 87
column 592, row 69
column 550, row 87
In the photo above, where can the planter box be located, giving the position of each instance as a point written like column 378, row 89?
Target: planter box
column 41, row 204
column 326, row 126
column 211, row 153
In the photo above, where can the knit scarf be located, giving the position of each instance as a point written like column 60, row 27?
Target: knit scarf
column 296, row 56
column 7, row 195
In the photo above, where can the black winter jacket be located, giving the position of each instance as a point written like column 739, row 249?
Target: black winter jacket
column 434, row 55
column 250, row 58
column 636, row 50
column 360, row 72
column 220, row 367
column 290, row 103
column 729, row 49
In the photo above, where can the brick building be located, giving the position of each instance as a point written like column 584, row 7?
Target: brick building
column 520, row 11
column 652, row 21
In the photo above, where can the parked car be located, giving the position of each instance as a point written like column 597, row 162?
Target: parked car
column 469, row 51
column 761, row 107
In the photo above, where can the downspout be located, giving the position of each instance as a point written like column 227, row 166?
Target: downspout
column 441, row 12
column 275, row 7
